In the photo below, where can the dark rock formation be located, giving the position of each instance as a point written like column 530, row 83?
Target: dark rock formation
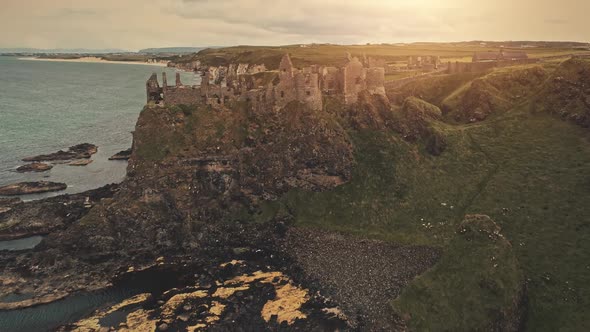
column 244, row 293
column 80, row 151
column 122, row 155
column 24, row 188
column 34, row 167
column 6, row 204
column 255, row 155
column 370, row 112
column 49, row 214
column 416, row 123
column 82, row 162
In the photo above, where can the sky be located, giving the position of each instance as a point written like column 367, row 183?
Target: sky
column 137, row 24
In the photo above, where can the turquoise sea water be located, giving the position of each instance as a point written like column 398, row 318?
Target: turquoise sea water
column 46, row 106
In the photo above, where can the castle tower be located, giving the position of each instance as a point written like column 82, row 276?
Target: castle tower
column 285, row 89
column 205, row 79
column 354, row 80
column 307, row 89
column 286, row 67
column 164, row 82
column 375, row 81
column 153, row 89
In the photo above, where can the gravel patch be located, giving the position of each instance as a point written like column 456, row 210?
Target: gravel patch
column 362, row 275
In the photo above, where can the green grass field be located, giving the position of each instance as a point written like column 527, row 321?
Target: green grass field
column 529, row 171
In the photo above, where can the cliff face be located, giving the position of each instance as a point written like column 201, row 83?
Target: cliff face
column 200, row 177
column 195, row 169
column 567, row 92
column 195, row 177
column 201, row 154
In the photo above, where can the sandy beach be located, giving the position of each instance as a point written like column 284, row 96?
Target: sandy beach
column 97, row 60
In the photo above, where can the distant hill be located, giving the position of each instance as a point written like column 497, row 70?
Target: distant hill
column 174, row 50
column 61, row 50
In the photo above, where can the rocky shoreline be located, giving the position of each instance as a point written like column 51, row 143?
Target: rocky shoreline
column 264, row 258
column 6, row 204
column 34, row 167
column 78, row 155
column 26, row 188
column 122, row 155
column 44, row 216
column 80, row 151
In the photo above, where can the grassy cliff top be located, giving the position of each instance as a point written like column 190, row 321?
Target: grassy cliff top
column 335, row 55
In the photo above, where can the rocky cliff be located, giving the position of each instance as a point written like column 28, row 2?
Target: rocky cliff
column 218, row 195
column 567, row 92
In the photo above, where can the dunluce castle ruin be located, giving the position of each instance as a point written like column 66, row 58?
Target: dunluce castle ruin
column 275, row 89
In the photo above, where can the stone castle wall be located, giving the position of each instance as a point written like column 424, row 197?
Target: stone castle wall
column 274, row 89
column 331, row 81
column 183, row 95
column 307, row 90
column 376, row 80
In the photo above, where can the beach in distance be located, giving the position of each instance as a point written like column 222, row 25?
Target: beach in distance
column 94, row 59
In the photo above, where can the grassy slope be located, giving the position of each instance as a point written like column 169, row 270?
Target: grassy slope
column 478, row 274
column 499, row 90
column 529, row 172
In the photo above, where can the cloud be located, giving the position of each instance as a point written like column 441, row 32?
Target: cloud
column 134, row 24
column 340, row 19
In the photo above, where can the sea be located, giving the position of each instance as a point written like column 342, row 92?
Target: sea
column 46, row 106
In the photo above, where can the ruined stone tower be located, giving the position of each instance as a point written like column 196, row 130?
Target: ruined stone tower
column 354, row 80
column 154, row 92
column 302, row 86
column 285, row 89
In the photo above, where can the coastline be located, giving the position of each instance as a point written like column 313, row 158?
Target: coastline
column 96, row 60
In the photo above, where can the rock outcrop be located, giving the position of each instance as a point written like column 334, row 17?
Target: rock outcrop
column 80, row 151
column 122, row 155
column 82, row 162
column 234, row 293
column 417, row 120
column 239, row 156
column 7, row 204
column 25, row 188
column 567, row 93
column 34, row 167
column 48, row 215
